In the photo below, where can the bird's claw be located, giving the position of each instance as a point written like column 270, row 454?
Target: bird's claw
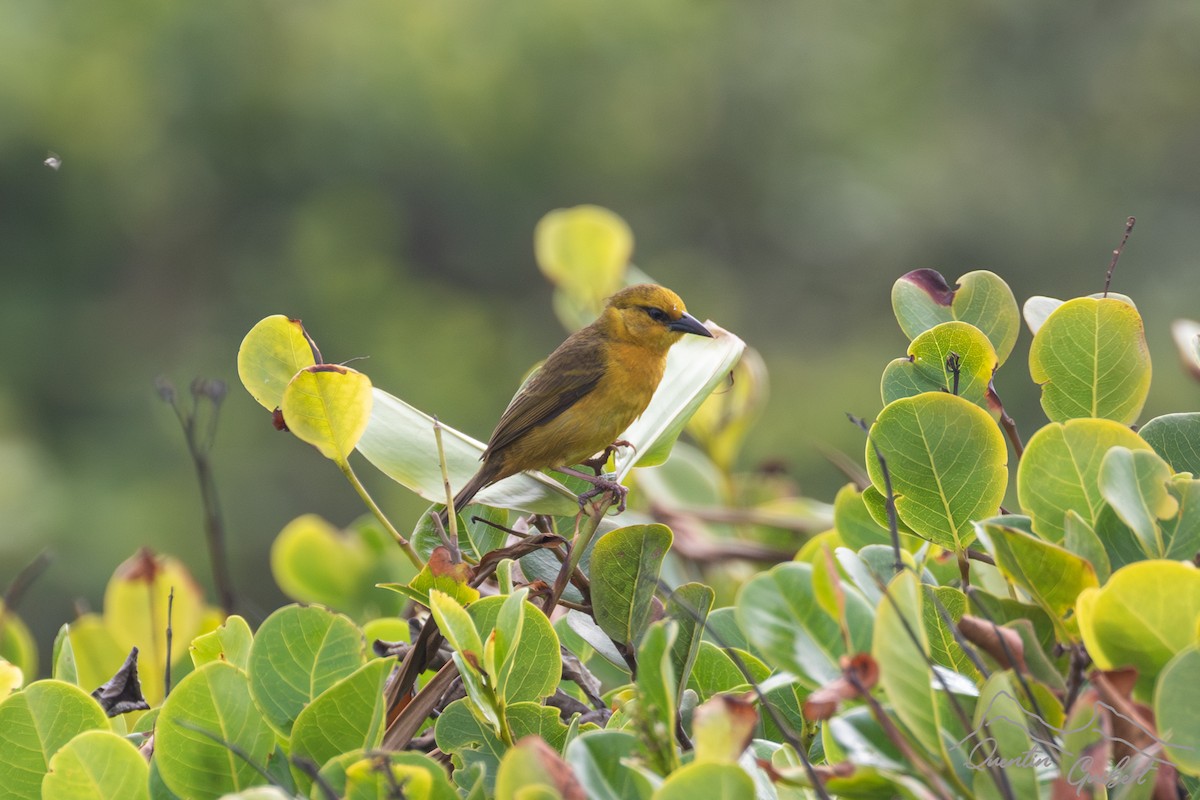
column 603, row 485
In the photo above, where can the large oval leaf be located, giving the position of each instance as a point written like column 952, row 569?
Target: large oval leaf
column 923, row 299
column 1175, row 437
column 34, row 724
column 328, row 406
column 585, row 250
column 904, row 671
column 298, row 653
column 1146, row 614
column 1091, row 360
column 210, row 736
column 1051, row 575
column 346, row 716
column 271, row 354
column 624, row 574
column 97, row 765
column 947, row 461
column 1060, row 472
column 1176, row 698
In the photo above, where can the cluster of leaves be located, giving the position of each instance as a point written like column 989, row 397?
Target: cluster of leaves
column 924, row 643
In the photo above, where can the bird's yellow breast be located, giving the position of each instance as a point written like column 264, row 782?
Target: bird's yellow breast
column 599, row 417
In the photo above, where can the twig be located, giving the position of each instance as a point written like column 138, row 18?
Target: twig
column 452, row 513
column 170, row 637
column 24, row 579
column 890, row 497
column 1129, row 223
column 200, row 446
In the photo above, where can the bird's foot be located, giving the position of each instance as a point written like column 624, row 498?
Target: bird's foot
column 603, row 484
column 599, row 461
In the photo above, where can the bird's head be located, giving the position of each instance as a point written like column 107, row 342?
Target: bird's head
column 650, row 315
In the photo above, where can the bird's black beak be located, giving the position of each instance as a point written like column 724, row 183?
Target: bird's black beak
column 689, row 324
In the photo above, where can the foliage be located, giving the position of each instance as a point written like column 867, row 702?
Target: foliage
column 922, row 640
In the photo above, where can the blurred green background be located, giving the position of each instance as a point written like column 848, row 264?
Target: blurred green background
column 377, row 169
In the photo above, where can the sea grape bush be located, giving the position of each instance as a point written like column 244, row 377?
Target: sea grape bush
column 986, row 615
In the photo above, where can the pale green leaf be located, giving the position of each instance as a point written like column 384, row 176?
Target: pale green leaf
column 273, row 351
column 1146, row 614
column 1060, row 471
column 328, row 406
column 1091, row 360
column 947, row 461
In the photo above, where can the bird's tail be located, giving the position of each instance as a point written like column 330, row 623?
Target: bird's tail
column 467, row 493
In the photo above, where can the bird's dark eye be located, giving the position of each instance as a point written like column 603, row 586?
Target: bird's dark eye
column 656, row 314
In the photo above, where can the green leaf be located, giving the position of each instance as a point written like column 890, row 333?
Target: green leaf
column 328, row 406
column 1175, row 437
column 459, row 732
column 297, row 654
column 455, row 624
column 207, row 717
column 624, row 574
column 62, row 658
column 1060, row 472
column 1081, row 539
column 528, row 665
column 346, row 716
column 1181, row 534
column 923, row 299
column 1146, row 614
column 476, row 537
column 715, row 671
column 1007, row 739
column 856, row 736
column 97, row 765
column 1090, row 359
column 271, row 354
column 459, row 630
column 857, row 527
column 688, row 605
column 657, row 688
column 1038, row 308
column 34, row 724
column 948, row 465
column 904, row 672
column 1053, row 576
column 1135, row 484
column 229, row 643
column 1176, row 698
column 584, row 250
column 709, row 780
column 779, row 612
column 943, row 647
column 927, row 368
column 600, row 759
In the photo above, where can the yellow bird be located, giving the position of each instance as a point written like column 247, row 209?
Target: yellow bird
column 589, row 390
